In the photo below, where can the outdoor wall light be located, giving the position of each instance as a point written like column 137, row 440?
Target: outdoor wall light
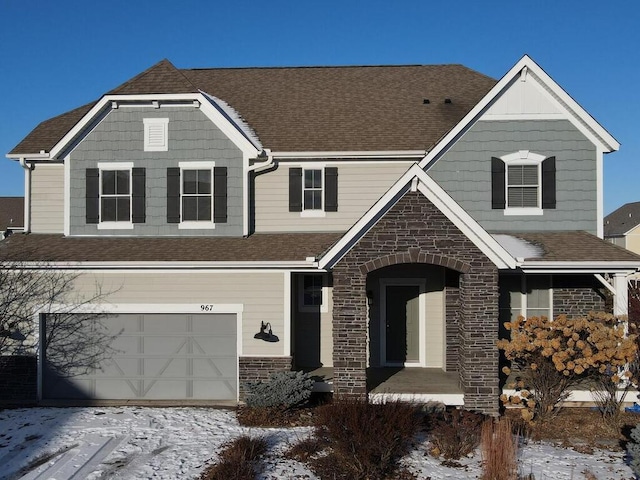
column 370, row 297
column 266, row 335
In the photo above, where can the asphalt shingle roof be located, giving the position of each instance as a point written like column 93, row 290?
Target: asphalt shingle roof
column 258, row 247
column 359, row 108
column 575, row 246
column 622, row 220
column 11, row 212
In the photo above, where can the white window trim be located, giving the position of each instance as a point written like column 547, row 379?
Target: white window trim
column 523, row 296
column 196, row 224
column 324, row 306
column 152, row 122
column 523, row 157
column 319, row 213
column 124, row 225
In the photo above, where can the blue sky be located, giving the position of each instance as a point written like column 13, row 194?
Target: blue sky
column 57, row 55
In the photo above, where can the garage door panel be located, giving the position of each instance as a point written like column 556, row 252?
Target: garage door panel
column 158, row 357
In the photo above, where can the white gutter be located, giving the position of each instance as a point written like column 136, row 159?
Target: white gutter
column 298, row 264
column 27, row 194
column 259, row 167
column 354, row 154
column 29, row 156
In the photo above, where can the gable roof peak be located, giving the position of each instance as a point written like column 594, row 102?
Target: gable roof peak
column 163, row 77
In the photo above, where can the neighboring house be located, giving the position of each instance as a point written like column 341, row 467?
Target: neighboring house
column 11, row 215
column 622, row 227
column 350, row 221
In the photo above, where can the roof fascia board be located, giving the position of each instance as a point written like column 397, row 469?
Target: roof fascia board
column 209, row 110
column 28, row 156
column 353, row 154
column 430, row 189
column 122, row 265
column 476, row 112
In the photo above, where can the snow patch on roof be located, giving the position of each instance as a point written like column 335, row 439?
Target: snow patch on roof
column 517, row 247
column 235, row 118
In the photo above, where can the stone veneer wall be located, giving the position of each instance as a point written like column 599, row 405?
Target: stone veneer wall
column 260, row 368
column 18, row 380
column 415, row 231
column 452, row 324
column 578, row 295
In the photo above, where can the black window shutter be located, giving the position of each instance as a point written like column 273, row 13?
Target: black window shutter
column 92, row 195
column 295, row 189
column 549, row 183
column 498, row 197
column 173, row 195
column 220, row 194
column 331, row 189
column 138, row 194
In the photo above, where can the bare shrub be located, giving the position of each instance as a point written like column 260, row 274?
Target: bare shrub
column 456, row 433
column 238, row 460
column 499, row 450
column 303, row 450
column 365, row 440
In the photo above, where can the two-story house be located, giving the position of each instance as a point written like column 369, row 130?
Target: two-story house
column 372, row 224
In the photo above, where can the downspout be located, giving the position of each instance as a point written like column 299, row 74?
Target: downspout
column 27, row 194
column 259, row 167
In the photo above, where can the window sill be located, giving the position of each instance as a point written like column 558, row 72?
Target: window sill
column 196, row 225
column 523, row 211
column 115, row 226
column 313, row 213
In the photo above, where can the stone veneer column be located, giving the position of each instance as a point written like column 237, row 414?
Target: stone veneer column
column 415, row 231
column 349, row 332
column 478, row 356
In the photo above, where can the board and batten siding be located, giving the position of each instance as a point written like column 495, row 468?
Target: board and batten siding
column 632, row 240
column 47, row 198
column 192, row 138
column 465, row 173
column 260, row 293
column 359, row 187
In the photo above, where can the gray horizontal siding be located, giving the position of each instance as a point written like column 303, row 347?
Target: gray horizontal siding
column 465, row 173
column 192, row 137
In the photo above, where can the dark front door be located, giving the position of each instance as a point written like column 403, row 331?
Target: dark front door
column 402, row 323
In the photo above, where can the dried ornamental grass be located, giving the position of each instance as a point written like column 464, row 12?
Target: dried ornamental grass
column 499, row 450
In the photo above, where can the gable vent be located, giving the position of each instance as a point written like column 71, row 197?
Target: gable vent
column 156, row 133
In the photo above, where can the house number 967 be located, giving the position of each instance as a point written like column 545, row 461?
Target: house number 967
column 206, row 308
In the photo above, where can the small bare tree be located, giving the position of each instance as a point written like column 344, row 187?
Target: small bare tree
column 74, row 339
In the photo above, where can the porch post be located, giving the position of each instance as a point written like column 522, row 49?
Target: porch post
column 478, row 356
column 621, row 297
column 349, row 332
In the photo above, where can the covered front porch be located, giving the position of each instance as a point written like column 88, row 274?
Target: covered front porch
column 404, row 383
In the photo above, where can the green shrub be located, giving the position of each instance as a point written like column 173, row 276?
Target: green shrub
column 456, row 433
column 365, row 440
column 633, row 450
column 283, row 389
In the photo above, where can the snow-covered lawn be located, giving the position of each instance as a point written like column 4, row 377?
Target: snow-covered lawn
column 177, row 443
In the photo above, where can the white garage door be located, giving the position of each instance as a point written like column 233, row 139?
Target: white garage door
column 152, row 357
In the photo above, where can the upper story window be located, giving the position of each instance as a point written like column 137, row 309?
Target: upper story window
column 197, row 195
column 523, row 183
column 115, row 195
column 156, row 134
column 313, row 190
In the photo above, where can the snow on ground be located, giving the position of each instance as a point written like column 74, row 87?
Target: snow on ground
column 177, row 443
